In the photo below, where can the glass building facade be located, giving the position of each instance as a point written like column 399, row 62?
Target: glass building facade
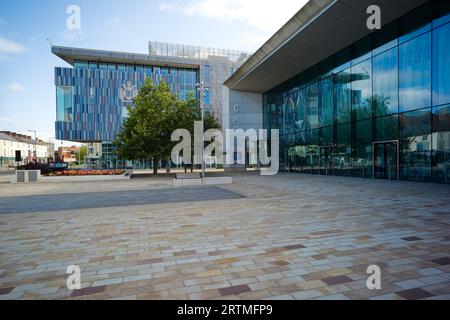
column 92, row 97
column 379, row 108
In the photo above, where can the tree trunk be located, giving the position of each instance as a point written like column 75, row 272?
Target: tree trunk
column 155, row 167
column 168, row 164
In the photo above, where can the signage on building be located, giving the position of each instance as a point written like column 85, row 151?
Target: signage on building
column 58, row 166
column 128, row 92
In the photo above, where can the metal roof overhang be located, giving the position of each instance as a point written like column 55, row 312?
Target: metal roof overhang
column 320, row 29
column 70, row 55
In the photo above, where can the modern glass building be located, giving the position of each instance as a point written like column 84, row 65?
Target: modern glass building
column 375, row 106
column 92, row 95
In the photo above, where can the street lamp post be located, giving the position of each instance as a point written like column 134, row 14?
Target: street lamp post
column 35, row 151
column 202, row 90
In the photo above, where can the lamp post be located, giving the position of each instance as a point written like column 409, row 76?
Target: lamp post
column 202, row 90
column 35, row 152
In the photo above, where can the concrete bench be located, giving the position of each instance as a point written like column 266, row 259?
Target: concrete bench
column 188, row 176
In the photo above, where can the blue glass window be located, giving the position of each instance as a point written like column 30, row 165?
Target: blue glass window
column 415, row 73
column 342, row 89
column 121, row 67
column 385, row 82
column 362, row 90
column 441, row 65
column 312, row 106
column 326, row 111
column 140, row 68
column 64, row 103
column 81, row 64
column 112, row 66
column 207, row 98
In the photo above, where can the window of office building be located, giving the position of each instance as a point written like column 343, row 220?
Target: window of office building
column 385, row 82
column 312, row 105
column 362, row 90
column 64, row 103
column 342, row 89
column 441, row 65
column 441, row 144
column 326, row 111
column 415, row 73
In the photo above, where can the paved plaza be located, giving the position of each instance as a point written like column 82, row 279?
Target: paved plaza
column 284, row 237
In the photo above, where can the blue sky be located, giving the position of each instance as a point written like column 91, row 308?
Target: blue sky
column 27, row 92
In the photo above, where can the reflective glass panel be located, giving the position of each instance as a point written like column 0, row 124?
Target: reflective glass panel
column 415, row 123
column 342, row 91
column 441, row 65
column 326, row 102
column 415, row 73
column 362, row 90
column 385, row 82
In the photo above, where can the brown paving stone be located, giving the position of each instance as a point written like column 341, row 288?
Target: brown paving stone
column 234, row 290
column 6, row 290
column 88, row 291
column 150, row 261
column 185, row 253
column 414, row 294
column 280, row 263
column 295, row 246
column 336, row 280
column 226, row 261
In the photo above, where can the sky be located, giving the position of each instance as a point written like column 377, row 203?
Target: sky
column 29, row 27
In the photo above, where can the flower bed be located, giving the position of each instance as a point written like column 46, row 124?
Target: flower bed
column 67, row 173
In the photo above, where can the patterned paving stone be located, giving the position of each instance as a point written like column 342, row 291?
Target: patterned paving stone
column 414, row 294
column 88, row 291
column 442, row 261
column 234, row 290
column 285, row 237
column 336, row 280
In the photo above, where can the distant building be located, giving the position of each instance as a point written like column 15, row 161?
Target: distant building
column 69, row 154
column 92, row 96
column 10, row 142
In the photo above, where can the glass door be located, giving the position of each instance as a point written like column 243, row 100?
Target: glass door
column 386, row 160
column 326, row 161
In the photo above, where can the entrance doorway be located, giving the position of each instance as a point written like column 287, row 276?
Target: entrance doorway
column 326, row 160
column 386, row 163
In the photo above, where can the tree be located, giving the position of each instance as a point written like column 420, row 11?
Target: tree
column 155, row 115
column 82, row 153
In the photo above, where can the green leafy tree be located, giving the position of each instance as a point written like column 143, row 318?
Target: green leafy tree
column 155, row 115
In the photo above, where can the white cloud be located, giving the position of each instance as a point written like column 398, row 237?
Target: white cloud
column 11, row 47
column 166, row 7
column 15, row 87
column 113, row 21
column 266, row 15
